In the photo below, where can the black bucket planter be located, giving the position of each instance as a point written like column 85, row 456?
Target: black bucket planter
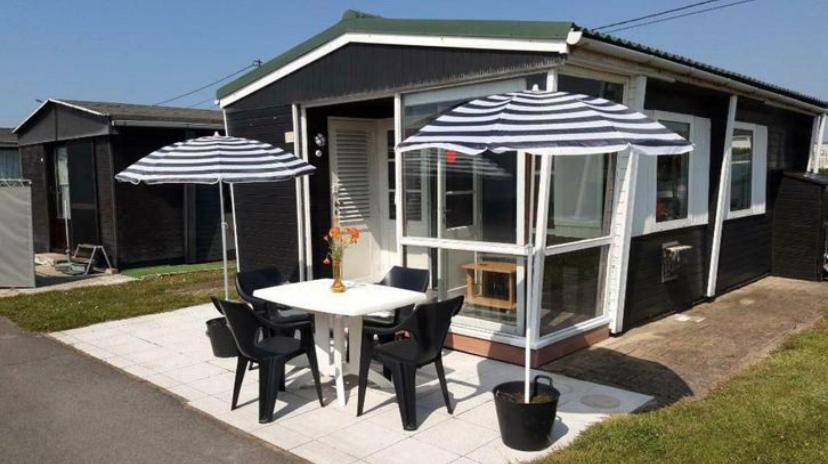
column 526, row 426
column 221, row 339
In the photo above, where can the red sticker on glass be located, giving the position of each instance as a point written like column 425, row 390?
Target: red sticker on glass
column 451, row 156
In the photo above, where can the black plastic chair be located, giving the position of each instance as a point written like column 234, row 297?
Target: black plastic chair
column 427, row 328
column 271, row 353
column 398, row 277
column 248, row 282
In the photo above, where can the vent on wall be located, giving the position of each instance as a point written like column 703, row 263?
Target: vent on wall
column 351, row 182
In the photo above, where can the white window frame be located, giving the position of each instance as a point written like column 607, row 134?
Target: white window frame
column 698, row 180
column 759, row 173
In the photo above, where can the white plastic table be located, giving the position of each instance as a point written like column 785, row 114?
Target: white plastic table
column 339, row 311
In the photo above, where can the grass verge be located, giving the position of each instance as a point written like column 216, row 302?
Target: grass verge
column 170, row 269
column 774, row 412
column 62, row 310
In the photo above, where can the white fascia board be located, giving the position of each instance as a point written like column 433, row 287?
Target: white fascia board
column 550, row 46
column 59, row 102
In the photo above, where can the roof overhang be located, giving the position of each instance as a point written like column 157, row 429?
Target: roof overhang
column 167, row 124
column 483, row 43
column 673, row 69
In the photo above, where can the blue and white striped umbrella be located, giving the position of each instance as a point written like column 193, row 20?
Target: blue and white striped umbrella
column 215, row 159
column 546, row 123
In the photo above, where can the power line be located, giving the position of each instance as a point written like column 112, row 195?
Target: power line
column 653, row 15
column 705, row 10
column 209, row 99
column 256, row 63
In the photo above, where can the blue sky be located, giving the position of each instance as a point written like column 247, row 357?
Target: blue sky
column 147, row 51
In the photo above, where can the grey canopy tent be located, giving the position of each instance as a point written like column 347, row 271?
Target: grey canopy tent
column 544, row 123
column 216, row 159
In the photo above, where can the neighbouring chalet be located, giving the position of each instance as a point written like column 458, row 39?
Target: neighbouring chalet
column 71, row 151
column 629, row 238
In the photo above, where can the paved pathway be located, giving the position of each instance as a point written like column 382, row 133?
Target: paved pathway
column 171, row 350
column 686, row 355
column 60, row 406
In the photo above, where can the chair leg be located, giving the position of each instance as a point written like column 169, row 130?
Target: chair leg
column 310, row 352
column 364, row 365
column 241, row 367
column 441, row 374
column 268, row 382
column 404, row 383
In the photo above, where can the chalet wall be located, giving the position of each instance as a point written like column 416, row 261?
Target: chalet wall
column 266, row 212
column 646, row 295
column 32, row 160
column 106, row 197
column 746, row 242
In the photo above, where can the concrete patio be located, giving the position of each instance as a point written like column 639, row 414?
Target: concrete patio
column 171, row 351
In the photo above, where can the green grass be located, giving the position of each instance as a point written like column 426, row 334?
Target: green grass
column 141, row 272
column 775, row 412
column 62, row 310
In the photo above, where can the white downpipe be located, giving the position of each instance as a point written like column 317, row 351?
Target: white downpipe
column 813, row 154
column 300, row 208
column 538, row 258
column 235, row 226
column 723, row 200
column 223, row 241
column 819, row 142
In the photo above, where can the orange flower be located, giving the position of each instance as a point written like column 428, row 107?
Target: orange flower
column 334, row 232
column 353, row 232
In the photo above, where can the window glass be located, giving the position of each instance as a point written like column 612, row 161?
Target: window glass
column 673, row 179
column 413, row 188
column 489, row 282
column 741, row 171
column 461, row 197
column 10, row 164
column 572, row 288
column 580, row 198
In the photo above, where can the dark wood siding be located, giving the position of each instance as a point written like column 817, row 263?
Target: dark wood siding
column 58, row 122
column 266, row 212
column 106, row 197
column 799, row 229
column 647, row 296
column 362, row 68
column 150, row 218
column 32, row 160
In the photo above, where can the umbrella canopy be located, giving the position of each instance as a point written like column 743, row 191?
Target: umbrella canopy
column 214, row 159
column 546, row 123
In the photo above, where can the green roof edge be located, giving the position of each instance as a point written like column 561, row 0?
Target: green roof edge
column 356, row 21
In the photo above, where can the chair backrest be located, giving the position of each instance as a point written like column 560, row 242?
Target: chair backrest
column 243, row 325
column 249, row 281
column 430, row 322
column 406, row 278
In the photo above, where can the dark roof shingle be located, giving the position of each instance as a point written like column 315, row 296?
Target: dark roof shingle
column 130, row 111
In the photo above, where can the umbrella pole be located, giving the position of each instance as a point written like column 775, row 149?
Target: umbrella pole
column 223, row 241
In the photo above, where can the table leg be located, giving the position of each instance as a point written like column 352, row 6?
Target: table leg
column 322, row 338
column 338, row 355
column 354, row 345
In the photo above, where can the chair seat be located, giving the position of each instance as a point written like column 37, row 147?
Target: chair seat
column 379, row 321
column 278, row 345
column 406, row 351
column 289, row 316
